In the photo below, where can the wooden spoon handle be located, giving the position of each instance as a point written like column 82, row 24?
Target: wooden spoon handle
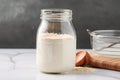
column 104, row 62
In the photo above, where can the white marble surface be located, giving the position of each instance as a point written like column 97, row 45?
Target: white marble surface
column 19, row 64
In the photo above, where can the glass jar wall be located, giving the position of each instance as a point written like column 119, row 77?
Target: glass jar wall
column 56, row 41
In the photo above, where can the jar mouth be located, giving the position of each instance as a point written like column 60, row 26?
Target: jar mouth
column 56, row 13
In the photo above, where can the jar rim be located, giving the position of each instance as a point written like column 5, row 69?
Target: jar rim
column 56, row 13
column 55, row 9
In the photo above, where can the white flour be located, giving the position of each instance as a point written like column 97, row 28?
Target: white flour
column 56, row 53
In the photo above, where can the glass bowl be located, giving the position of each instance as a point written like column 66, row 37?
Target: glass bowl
column 106, row 42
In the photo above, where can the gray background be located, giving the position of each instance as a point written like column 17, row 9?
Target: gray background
column 19, row 19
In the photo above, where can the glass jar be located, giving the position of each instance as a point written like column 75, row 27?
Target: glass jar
column 56, row 41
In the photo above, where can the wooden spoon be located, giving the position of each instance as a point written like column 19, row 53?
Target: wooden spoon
column 92, row 59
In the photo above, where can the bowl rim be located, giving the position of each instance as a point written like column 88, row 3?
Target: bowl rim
column 94, row 33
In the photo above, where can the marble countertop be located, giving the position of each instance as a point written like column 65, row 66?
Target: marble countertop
column 19, row 64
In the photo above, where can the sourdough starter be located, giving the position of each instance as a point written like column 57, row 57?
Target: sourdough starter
column 55, row 53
